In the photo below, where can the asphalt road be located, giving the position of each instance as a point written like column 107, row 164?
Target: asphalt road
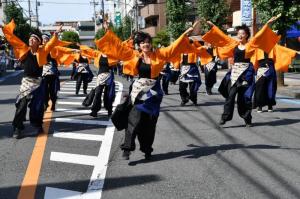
column 193, row 157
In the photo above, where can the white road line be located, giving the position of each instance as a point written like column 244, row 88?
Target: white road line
column 74, row 98
column 95, row 186
column 79, row 136
column 65, row 92
column 73, row 158
column 78, row 111
column 77, row 121
column 80, row 103
column 69, row 103
column 97, row 179
column 53, row 193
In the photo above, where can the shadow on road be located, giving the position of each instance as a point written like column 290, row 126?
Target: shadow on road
column 110, row 184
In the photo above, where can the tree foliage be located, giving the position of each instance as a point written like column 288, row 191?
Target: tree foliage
column 162, row 38
column 290, row 13
column 216, row 11
column 177, row 17
column 71, row 36
column 23, row 29
column 123, row 31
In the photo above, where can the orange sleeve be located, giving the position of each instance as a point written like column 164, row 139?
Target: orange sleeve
column 218, row 38
column 63, row 43
column 112, row 46
column 181, row 45
column 283, row 58
column 225, row 44
column 205, row 57
column 129, row 43
column 264, row 39
column 19, row 47
column 51, row 44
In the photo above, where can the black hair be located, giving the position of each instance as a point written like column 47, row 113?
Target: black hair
column 37, row 32
column 245, row 28
column 140, row 37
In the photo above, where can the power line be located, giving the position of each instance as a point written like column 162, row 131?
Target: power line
column 58, row 3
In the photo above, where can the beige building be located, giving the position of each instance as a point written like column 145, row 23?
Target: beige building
column 154, row 14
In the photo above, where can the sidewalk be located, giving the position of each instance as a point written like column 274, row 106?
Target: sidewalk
column 291, row 81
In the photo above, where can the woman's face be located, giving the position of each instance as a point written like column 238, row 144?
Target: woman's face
column 145, row 46
column 242, row 35
column 33, row 42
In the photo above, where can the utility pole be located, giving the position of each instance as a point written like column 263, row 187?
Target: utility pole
column 94, row 3
column 37, row 13
column 136, row 16
column 29, row 10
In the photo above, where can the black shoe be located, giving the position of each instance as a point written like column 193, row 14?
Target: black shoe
column 84, row 92
column 270, row 109
column 109, row 113
column 183, row 102
column 148, row 156
column 259, row 110
column 248, row 125
column 222, row 122
column 19, row 133
column 39, row 130
column 93, row 114
column 195, row 103
column 126, row 155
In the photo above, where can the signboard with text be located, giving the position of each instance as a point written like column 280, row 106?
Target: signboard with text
column 246, row 12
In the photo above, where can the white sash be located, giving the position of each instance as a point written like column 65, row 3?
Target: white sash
column 102, row 78
column 261, row 72
column 237, row 70
column 140, row 87
column 210, row 65
column 28, row 85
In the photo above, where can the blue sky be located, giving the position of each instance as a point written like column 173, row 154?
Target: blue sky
column 56, row 10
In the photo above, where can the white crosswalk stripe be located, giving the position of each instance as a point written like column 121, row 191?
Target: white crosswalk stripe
column 100, row 161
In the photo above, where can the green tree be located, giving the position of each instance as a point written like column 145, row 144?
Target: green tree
column 290, row 14
column 23, row 29
column 162, row 38
column 71, row 37
column 100, row 33
column 177, row 17
column 127, row 23
column 216, row 11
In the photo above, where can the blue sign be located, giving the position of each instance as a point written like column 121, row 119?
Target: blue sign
column 246, row 12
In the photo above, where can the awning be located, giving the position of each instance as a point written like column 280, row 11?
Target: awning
column 293, row 32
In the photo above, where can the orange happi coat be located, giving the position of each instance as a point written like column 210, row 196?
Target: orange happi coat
column 21, row 49
column 264, row 39
column 113, row 47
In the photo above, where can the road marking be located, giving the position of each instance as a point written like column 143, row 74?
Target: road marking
column 69, row 103
column 28, row 186
column 78, row 136
column 95, row 186
column 77, row 121
column 73, row 158
column 53, row 193
column 65, row 92
column 75, row 98
column 78, row 111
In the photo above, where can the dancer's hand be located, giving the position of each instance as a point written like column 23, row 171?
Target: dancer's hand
column 273, row 19
column 59, row 30
column 210, row 23
column 105, row 25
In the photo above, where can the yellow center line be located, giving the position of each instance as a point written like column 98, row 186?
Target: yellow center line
column 30, row 181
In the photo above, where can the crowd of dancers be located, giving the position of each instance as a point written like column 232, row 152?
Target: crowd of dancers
column 251, row 75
